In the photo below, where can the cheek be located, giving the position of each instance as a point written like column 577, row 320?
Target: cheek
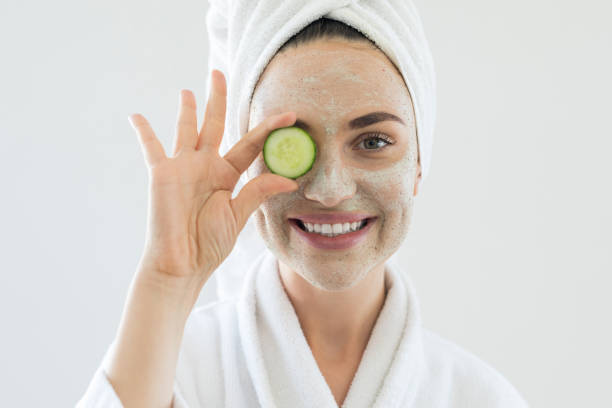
column 271, row 213
column 396, row 200
column 391, row 186
column 391, row 189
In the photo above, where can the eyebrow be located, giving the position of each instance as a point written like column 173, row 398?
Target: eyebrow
column 359, row 122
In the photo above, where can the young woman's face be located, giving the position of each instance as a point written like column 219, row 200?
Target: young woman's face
column 328, row 83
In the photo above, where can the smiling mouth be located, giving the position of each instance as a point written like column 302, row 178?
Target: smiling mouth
column 361, row 225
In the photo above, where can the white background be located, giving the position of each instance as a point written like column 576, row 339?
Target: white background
column 510, row 248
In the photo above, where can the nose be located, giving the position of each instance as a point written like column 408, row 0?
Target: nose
column 329, row 181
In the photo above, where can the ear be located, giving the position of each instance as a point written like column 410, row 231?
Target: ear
column 418, row 180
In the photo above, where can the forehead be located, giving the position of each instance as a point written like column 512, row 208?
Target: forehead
column 332, row 76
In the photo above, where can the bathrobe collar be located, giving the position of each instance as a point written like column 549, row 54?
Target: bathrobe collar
column 283, row 368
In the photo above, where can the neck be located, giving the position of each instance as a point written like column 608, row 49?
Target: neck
column 337, row 324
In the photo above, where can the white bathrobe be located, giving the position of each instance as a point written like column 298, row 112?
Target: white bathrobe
column 250, row 351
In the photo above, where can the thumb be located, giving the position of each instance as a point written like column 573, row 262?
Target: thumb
column 256, row 192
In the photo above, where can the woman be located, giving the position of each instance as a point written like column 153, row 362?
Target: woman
column 322, row 319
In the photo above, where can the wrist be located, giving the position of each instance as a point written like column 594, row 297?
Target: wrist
column 179, row 292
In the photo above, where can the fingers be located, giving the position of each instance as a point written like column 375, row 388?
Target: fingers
column 152, row 149
column 186, row 135
column 242, row 154
column 255, row 192
column 214, row 117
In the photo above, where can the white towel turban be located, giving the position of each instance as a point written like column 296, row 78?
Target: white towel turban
column 244, row 35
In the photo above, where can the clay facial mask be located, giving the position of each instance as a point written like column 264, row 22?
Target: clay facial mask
column 370, row 169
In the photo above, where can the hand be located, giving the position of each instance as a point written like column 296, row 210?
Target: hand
column 193, row 223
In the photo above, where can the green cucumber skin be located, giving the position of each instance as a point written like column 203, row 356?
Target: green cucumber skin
column 306, row 170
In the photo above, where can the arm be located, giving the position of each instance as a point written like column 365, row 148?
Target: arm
column 142, row 364
column 193, row 224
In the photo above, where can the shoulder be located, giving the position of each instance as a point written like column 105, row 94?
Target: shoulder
column 468, row 380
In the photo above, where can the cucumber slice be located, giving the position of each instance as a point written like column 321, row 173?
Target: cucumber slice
column 289, row 152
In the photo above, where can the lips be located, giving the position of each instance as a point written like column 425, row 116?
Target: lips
column 342, row 241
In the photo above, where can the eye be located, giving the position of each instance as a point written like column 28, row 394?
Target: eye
column 374, row 140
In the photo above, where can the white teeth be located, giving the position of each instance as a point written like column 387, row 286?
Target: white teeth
column 334, row 229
